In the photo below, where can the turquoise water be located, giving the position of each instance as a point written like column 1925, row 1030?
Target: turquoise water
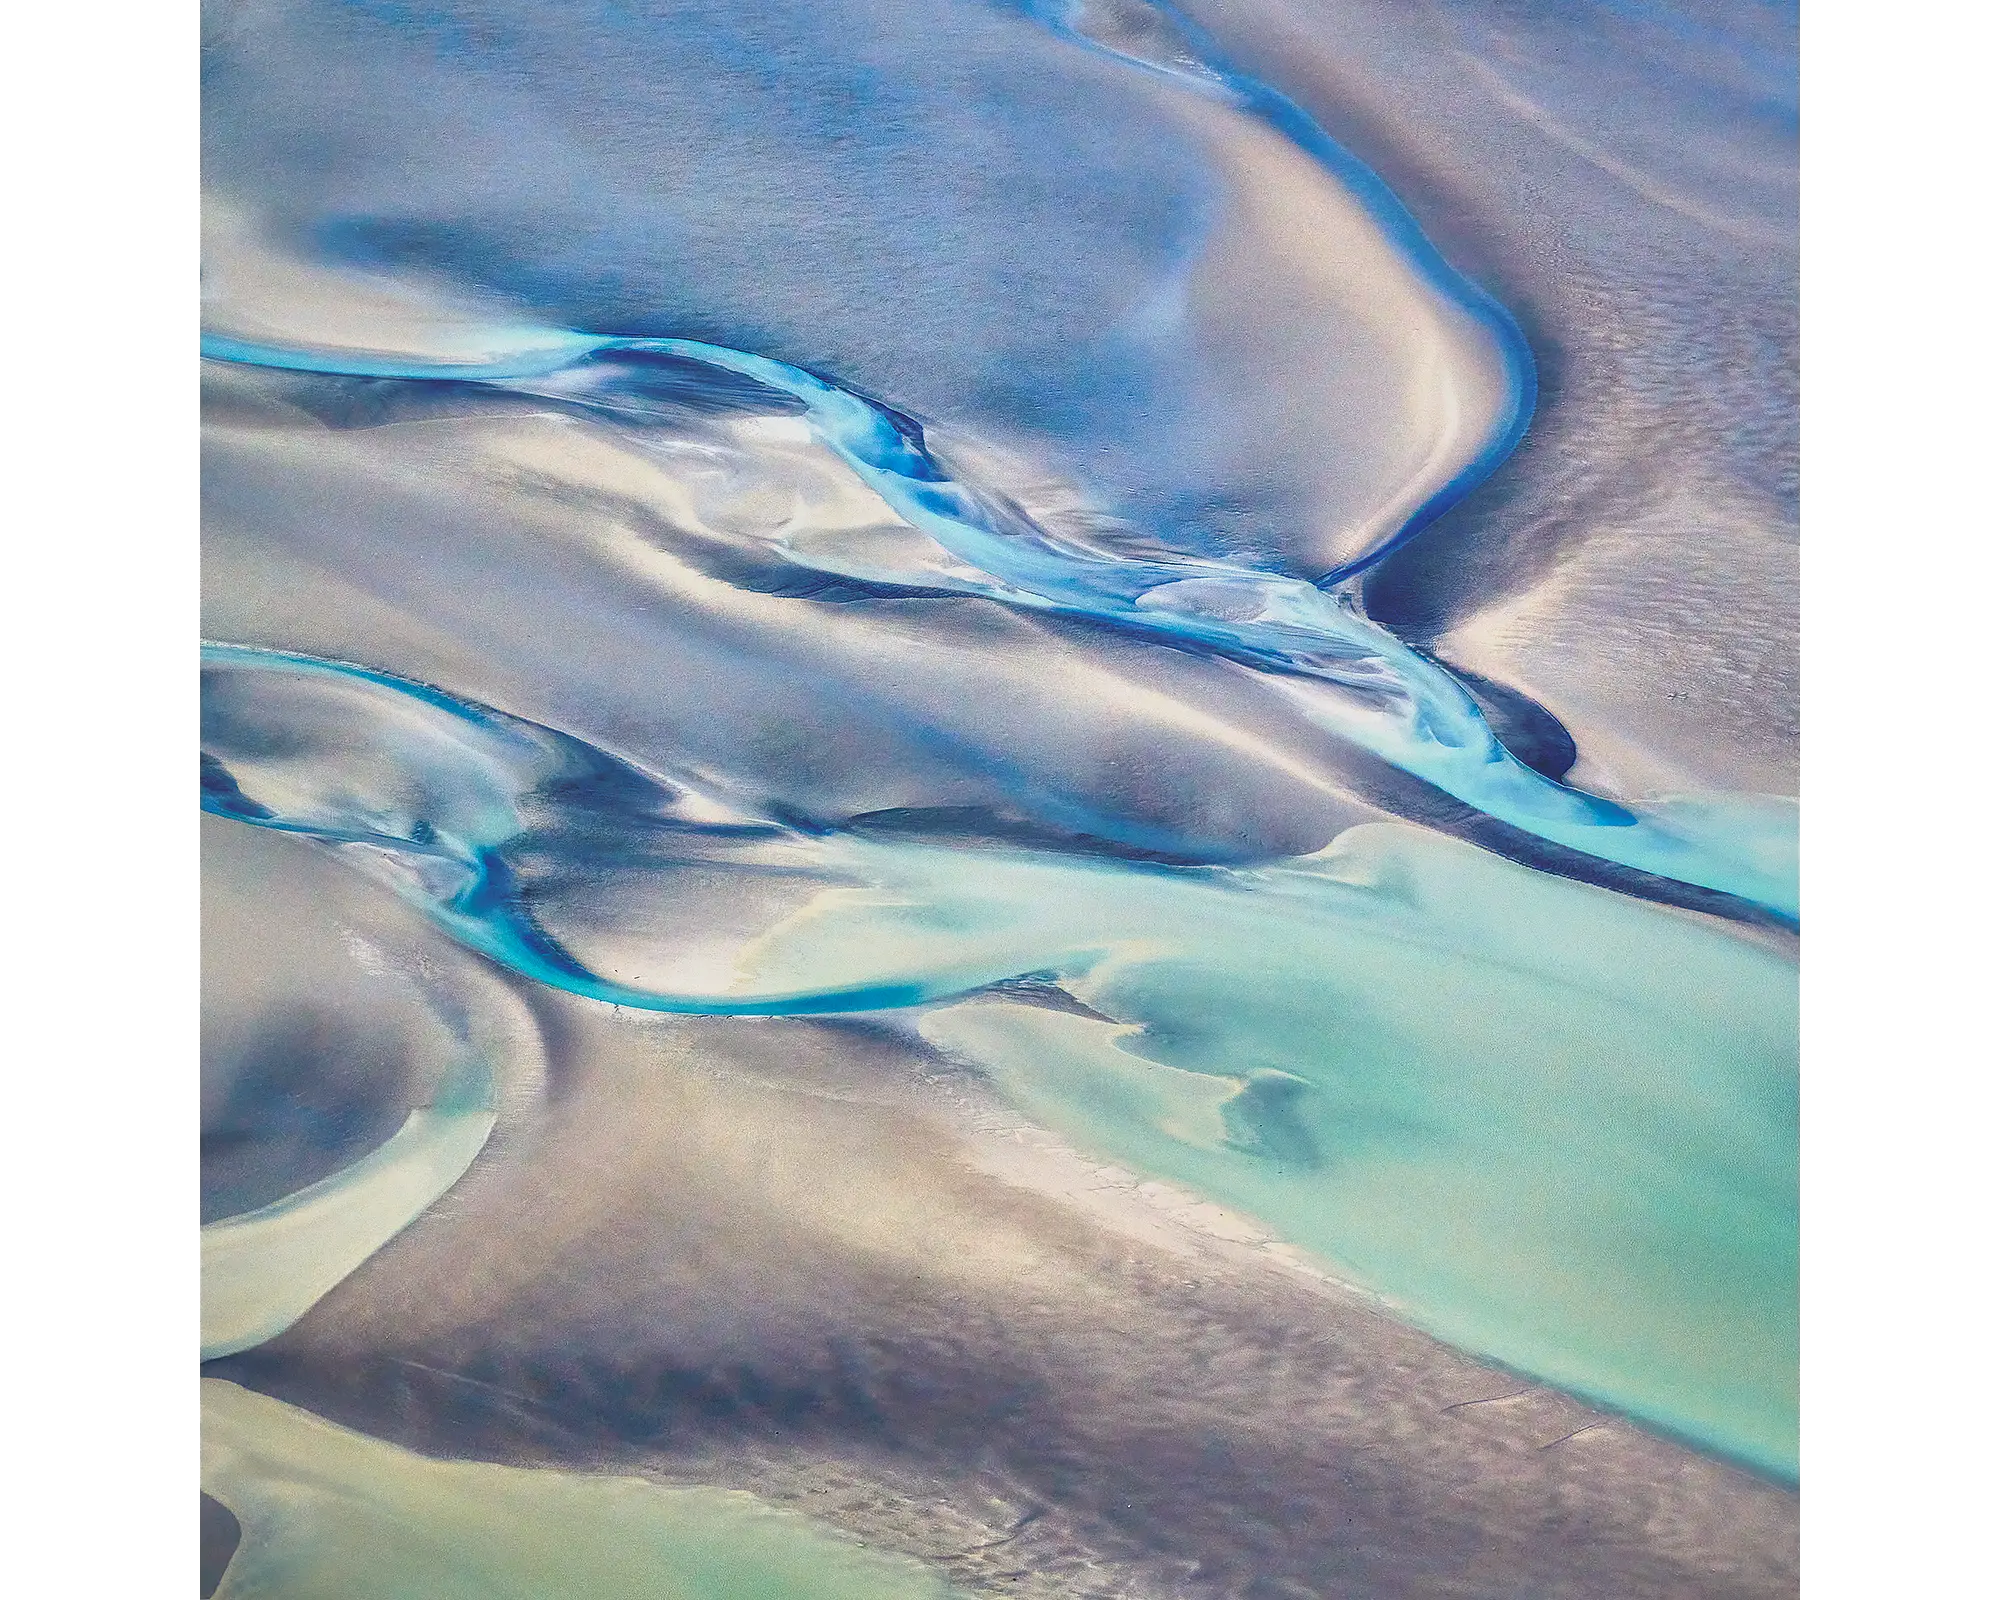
column 1091, row 375
column 1550, row 1125
column 1357, row 680
column 1557, row 1125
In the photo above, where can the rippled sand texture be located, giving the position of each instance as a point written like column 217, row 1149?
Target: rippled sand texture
column 334, row 1514
column 998, row 799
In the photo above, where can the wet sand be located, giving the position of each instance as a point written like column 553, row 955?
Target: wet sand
column 776, row 1255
